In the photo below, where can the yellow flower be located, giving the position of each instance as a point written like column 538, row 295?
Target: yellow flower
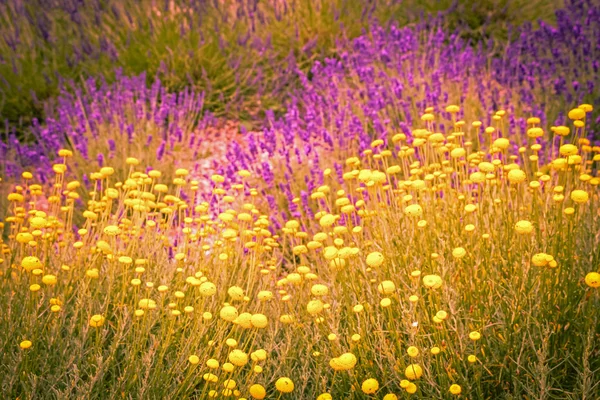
column 524, row 227
column 455, row 389
column 390, row 396
column 593, row 279
column 435, row 350
column 207, row 289
column 112, row 230
column 412, row 351
column 413, row 371
column 284, row 385
column 374, row 259
column 472, row 358
column 516, row 176
column 327, row 220
column 97, row 320
column 147, row 304
column 258, row 391
column 576, row 113
column 25, row 344
column 411, row 388
column 228, row 313
column 474, row 335
column 345, row 362
column 370, row 386
column 194, row 359
column 238, row 358
column 579, row 196
column 413, row 210
column 386, row 287
column 49, row 280
column 30, row 263
column 259, row 321
column 568, row 150
column 324, row 396
column 459, row 252
column 540, row 259
column 441, row 315
column 432, row 281
column 314, row 307
column 319, row 290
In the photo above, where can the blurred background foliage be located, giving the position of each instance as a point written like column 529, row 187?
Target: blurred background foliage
column 243, row 54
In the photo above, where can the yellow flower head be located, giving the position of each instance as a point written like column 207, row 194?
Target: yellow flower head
column 375, row 259
column 370, row 386
column 258, row 391
column 432, row 281
column 97, row 320
column 25, row 344
column 30, row 263
column 284, row 385
column 593, row 279
column 386, row 287
column 413, row 371
column 524, row 227
column 455, row 389
column 238, row 358
column 412, row 351
column 580, row 196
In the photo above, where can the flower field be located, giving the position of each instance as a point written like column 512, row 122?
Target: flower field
column 392, row 201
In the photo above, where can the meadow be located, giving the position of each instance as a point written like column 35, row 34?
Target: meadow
column 390, row 200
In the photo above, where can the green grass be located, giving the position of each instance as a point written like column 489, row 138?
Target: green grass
column 241, row 82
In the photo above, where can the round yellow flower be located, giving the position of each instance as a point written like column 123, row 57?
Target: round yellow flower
column 258, row 391
column 516, row 176
column 413, row 210
column 432, row 281
column 459, row 252
column 49, row 280
column 411, row 388
column 576, row 113
column 236, row 293
column 472, row 358
column 30, row 263
column 455, row 389
column 386, row 287
column 524, row 227
column 228, row 313
column 370, row 386
column 413, row 371
column 593, row 279
column 314, row 307
column 474, row 335
column 97, row 320
column 194, row 359
column 284, row 385
column 259, row 321
column 25, row 344
column 580, row 196
column 390, row 396
column 324, row 396
column 374, row 259
column 568, row 150
column 319, row 290
column 412, row 351
column 238, row 358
